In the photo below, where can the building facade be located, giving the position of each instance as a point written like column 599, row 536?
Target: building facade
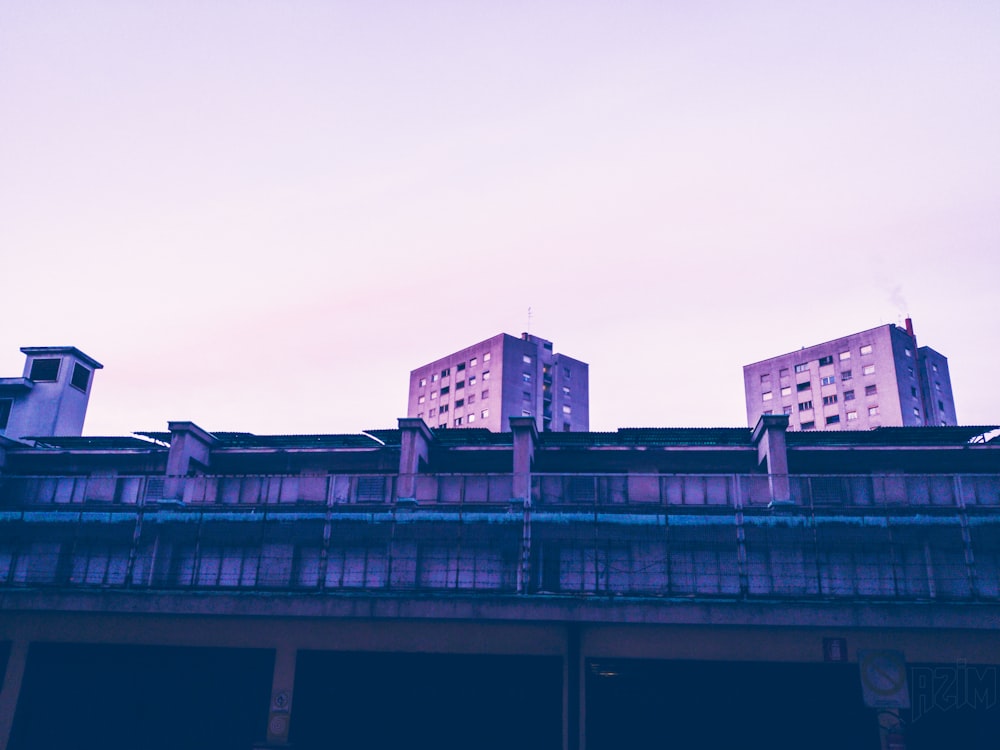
column 875, row 378
column 486, row 384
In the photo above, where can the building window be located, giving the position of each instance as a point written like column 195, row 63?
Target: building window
column 44, row 370
column 866, row 349
column 829, row 400
column 445, row 390
column 907, row 352
column 435, row 377
column 916, row 411
column 848, row 395
column 567, row 373
column 81, row 377
column 473, row 362
column 765, row 378
column 871, row 390
column 460, row 384
column 420, row 415
column 934, row 368
column 526, row 377
column 868, row 370
column 937, row 386
column 525, row 412
column 828, row 380
column 460, row 402
column 909, row 371
column 5, row 406
column 565, row 390
column 846, row 375
column 486, row 357
column 434, row 395
column 786, row 391
column 526, row 359
column 472, row 380
column 783, row 372
column 526, row 395
column 766, row 396
column 913, row 391
column 458, row 421
column 485, row 414
column 786, row 410
column 826, row 361
column 845, row 355
column 833, row 419
column 472, row 418
column 472, row 398
column 766, row 411
column 852, row 415
column 941, row 405
column 808, row 425
column 566, row 409
column 872, row 411
column 802, row 367
column 805, row 405
column 460, row 366
column 443, row 409
column 421, row 399
column 485, row 394
column 423, row 382
column 566, row 427
column 445, row 372
column 803, row 386
column 486, row 374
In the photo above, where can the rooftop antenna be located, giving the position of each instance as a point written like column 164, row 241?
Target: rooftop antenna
column 529, row 319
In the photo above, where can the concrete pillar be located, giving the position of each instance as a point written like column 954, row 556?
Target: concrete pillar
column 525, row 435
column 279, row 715
column 574, row 692
column 11, row 689
column 769, row 436
column 414, row 453
column 190, row 449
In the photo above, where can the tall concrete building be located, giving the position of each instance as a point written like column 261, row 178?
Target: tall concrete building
column 875, row 378
column 486, row 384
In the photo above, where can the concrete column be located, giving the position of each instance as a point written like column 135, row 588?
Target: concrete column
column 574, row 692
column 525, row 435
column 769, row 436
column 279, row 715
column 190, row 449
column 414, row 453
column 11, row 689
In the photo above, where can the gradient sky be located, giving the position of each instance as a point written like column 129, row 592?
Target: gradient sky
column 262, row 215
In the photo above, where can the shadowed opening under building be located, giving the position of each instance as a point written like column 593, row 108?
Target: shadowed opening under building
column 355, row 701
column 142, row 698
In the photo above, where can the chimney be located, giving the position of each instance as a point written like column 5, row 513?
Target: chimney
column 909, row 327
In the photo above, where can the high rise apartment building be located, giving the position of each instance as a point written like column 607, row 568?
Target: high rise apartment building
column 486, row 384
column 874, row 378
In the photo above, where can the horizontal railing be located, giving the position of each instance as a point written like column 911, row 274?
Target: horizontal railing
column 555, row 490
column 785, row 551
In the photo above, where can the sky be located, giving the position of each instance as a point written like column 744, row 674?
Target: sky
column 260, row 216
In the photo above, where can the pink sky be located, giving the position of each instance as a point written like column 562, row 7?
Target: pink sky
column 261, row 215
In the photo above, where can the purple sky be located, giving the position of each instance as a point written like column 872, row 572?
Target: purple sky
column 261, row 215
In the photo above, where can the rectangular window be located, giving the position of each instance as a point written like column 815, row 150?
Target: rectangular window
column 783, row 372
column 472, row 418
column 434, row 395
column 565, row 390
column 472, row 398
column 866, row 349
column 829, row 380
column 805, row 405
column 802, row 367
column 851, row 416
column 5, row 406
column 421, row 399
column 872, row 411
column 460, row 402
column 420, row 415
column 445, row 372
column 829, row 400
column 458, row 421
column 786, row 391
column 833, row 419
column 937, row 386
column 459, row 385
column 44, row 370
column 443, row 409
column 472, row 380
column 435, row 378
column 871, row 390
column 486, row 357
column 766, row 411
column 803, row 386
column 765, row 378
column 913, row 391
column 907, row 352
column 473, row 362
column 845, row 355
column 868, row 370
column 826, row 360
column 846, row 375
column 786, row 410
column 934, row 368
column 525, row 412
column 909, row 371
column 808, row 425
column 916, row 412
column 485, row 394
column 460, row 366
column 848, row 395
column 485, row 414
column 567, row 373
column 526, row 377
column 486, row 374
column 566, row 410
column 526, row 395
column 445, row 390
column 766, row 396
column 941, row 405
column 526, row 359
column 423, row 382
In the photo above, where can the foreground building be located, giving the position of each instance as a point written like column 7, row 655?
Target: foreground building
column 469, row 588
column 486, row 384
column 876, row 378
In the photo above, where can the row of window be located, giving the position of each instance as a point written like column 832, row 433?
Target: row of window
column 471, row 398
column 460, row 367
column 831, row 380
column 469, row 418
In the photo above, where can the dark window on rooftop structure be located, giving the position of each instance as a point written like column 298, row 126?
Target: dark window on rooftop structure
column 805, row 405
column 826, row 360
column 81, row 377
column 45, row 370
column 833, row 419
column 803, row 386
column 5, row 407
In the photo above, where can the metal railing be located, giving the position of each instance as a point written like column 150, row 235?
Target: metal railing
column 929, row 537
